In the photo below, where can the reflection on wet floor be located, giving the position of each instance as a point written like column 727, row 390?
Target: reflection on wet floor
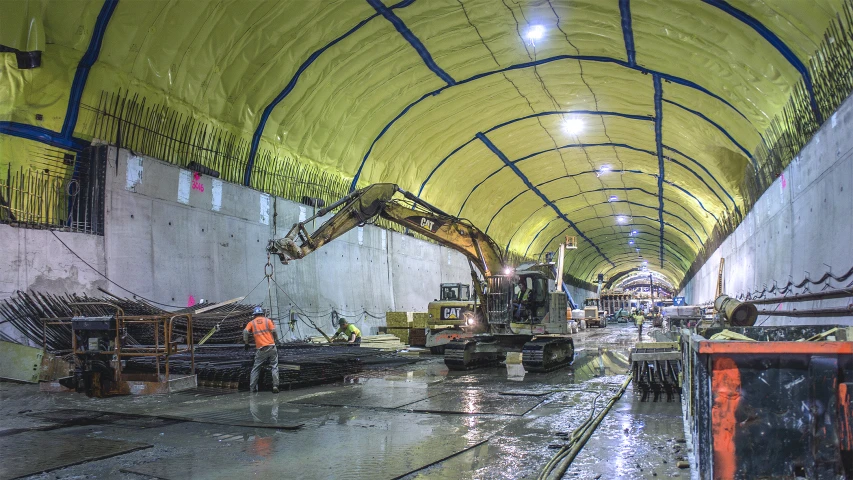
column 417, row 421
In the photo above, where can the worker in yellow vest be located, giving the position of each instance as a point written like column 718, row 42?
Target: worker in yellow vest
column 348, row 331
column 638, row 320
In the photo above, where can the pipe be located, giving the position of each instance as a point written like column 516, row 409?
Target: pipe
column 565, row 458
column 739, row 314
column 841, row 293
column 820, row 312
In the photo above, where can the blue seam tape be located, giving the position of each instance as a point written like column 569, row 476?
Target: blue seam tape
column 671, row 78
column 627, row 31
column 527, row 182
column 777, row 43
column 717, row 126
column 84, row 66
column 256, row 138
column 42, row 135
column 617, row 145
column 413, row 40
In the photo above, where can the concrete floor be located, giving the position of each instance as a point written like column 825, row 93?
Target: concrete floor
column 418, row 421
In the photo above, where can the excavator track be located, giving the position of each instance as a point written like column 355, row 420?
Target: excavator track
column 547, row 354
column 461, row 354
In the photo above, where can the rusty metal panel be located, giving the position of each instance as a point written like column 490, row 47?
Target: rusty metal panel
column 771, row 409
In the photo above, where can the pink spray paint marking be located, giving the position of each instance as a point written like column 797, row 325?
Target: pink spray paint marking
column 191, row 301
column 197, row 185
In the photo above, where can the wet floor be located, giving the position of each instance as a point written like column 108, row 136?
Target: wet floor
column 416, row 421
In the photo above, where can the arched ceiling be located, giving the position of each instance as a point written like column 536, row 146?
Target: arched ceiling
column 534, row 119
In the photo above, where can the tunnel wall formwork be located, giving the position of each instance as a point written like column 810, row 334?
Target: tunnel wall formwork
column 799, row 229
column 175, row 237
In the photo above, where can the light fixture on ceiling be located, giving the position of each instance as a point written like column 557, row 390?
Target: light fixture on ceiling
column 508, row 271
column 630, row 242
column 620, row 219
column 573, row 126
column 602, row 170
column 613, row 198
column 633, row 232
column 536, row 32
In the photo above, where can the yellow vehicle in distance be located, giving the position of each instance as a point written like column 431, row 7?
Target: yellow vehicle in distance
column 455, row 307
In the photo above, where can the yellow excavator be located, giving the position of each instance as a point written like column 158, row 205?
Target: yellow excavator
column 533, row 323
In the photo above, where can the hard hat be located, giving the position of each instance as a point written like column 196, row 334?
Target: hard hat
column 342, row 321
column 258, row 311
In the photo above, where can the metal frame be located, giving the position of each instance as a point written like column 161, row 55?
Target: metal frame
column 167, row 349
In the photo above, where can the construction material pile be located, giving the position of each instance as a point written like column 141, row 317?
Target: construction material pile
column 409, row 327
column 25, row 312
column 300, row 364
column 384, row 342
column 221, row 361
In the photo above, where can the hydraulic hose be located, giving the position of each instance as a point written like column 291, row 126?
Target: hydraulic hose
column 558, row 465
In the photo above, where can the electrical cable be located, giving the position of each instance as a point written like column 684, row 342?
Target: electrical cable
column 110, row 280
column 563, row 459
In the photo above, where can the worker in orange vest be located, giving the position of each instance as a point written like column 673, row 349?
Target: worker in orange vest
column 266, row 338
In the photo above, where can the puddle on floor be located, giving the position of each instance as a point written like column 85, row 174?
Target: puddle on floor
column 490, row 423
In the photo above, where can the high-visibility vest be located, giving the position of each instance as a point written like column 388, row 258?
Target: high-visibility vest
column 262, row 328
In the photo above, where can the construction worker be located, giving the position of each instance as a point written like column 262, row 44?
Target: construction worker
column 638, row 320
column 521, row 298
column 266, row 339
column 349, row 331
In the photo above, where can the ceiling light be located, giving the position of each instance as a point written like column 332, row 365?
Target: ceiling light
column 613, row 198
column 602, row 170
column 536, row 32
column 633, row 232
column 573, row 126
column 630, row 242
column 508, row 271
column 620, row 219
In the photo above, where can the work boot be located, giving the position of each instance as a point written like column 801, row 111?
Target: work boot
column 274, row 389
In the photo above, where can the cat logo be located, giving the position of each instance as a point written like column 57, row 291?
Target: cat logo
column 425, row 223
column 451, row 313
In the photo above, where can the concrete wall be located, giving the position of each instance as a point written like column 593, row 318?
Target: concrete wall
column 36, row 260
column 801, row 226
column 211, row 244
column 174, row 238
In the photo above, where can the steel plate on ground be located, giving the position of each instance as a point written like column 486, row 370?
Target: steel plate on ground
column 390, row 444
column 476, row 401
column 390, row 395
column 35, row 452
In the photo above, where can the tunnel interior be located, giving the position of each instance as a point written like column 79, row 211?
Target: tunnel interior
column 645, row 131
column 390, row 184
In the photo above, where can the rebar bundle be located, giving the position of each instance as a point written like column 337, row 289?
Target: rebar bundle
column 300, row 364
column 25, row 312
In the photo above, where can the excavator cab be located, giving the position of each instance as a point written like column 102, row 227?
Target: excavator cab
column 455, row 292
column 534, row 305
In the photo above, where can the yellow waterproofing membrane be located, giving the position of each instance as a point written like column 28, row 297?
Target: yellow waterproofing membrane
column 645, row 128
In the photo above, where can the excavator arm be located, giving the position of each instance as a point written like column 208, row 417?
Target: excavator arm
column 379, row 200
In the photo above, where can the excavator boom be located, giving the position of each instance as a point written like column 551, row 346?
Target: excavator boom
column 378, row 200
column 494, row 292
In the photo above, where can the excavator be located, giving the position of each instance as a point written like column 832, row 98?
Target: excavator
column 535, row 325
